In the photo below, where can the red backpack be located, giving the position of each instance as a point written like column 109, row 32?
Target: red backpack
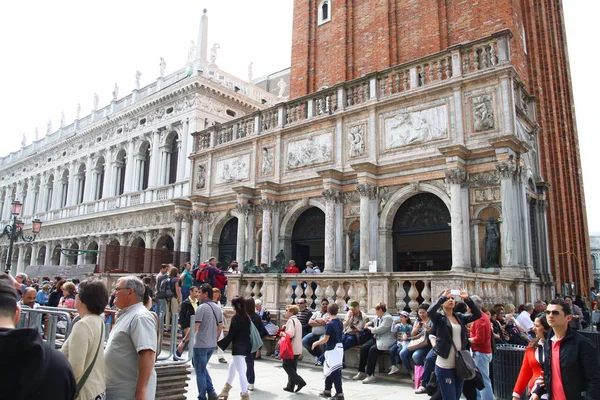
column 203, row 275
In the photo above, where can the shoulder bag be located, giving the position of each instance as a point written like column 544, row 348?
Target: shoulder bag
column 465, row 365
column 255, row 339
column 419, row 342
column 88, row 370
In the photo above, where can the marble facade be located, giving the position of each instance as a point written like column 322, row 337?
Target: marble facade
column 358, row 152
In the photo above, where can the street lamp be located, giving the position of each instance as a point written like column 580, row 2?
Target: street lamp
column 15, row 230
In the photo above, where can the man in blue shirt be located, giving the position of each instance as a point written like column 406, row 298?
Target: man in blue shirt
column 334, row 354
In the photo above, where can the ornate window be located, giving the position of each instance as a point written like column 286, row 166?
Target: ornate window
column 324, row 12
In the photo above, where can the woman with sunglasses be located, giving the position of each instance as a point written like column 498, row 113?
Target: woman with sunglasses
column 531, row 369
column 451, row 328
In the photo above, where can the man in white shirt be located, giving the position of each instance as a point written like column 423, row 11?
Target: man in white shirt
column 318, row 321
column 524, row 319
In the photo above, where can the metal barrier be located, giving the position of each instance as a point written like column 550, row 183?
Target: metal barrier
column 33, row 318
column 171, row 357
column 506, row 362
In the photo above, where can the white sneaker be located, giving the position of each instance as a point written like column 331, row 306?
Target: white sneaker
column 369, row 379
column 420, row 390
column 359, row 377
column 251, row 386
column 393, row 370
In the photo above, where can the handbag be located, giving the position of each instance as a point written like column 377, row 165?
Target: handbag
column 465, row 365
column 417, row 343
column 88, row 370
column 286, row 352
column 431, row 387
column 255, row 339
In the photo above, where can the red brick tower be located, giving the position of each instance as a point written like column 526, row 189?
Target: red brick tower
column 340, row 40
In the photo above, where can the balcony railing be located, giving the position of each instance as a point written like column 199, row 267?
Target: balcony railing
column 458, row 61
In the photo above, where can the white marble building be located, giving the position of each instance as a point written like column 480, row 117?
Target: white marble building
column 121, row 175
column 595, row 248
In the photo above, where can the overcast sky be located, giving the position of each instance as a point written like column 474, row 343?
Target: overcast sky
column 56, row 54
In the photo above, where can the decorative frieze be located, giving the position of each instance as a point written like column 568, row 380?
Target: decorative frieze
column 313, row 150
column 484, row 179
column 413, row 127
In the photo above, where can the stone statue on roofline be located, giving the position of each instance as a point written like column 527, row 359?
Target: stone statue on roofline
column 115, row 92
column 162, row 65
column 24, row 141
column 250, row 72
column 214, row 52
column 96, row 101
column 138, row 76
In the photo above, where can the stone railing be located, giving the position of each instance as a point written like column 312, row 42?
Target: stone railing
column 454, row 63
column 400, row 291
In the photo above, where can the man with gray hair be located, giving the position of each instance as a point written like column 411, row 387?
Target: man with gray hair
column 131, row 348
column 524, row 320
column 480, row 337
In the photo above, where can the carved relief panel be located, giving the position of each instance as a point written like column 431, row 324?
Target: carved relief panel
column 482, row 111
column 409, row 127
column 312, row 150
column 234, row 169
column 356, row 140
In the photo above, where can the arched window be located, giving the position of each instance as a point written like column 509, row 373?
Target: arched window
column 324, row 12
column 80, row 184
column 120, row 165
column 64, row 188
column 173, row 160
column 98, row 178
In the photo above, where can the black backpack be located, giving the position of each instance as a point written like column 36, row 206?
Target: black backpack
column 165, row 291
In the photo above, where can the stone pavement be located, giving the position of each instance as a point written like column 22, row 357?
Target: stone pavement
column 271, row 378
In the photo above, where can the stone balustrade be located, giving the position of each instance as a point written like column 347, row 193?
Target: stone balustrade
column 454, row 63
column 400, row 291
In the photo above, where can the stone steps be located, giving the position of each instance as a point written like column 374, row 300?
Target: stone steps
column 172, row 382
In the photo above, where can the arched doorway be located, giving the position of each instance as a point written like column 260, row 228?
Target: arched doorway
column 422, row 240
column 308, row 238
column 41, row 256
column 92, row 258
column 56, row 255
column 228, row 242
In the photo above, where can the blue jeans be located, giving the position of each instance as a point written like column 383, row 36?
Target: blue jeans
column 449, row 384
column 349, row 341
column 203, row 380
column 482, row 361
column 395, row 352
column 307, row 342
column 429, row 367
column 418, row 357
column 185, row 292
column 161, row 308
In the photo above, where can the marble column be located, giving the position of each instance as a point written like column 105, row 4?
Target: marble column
column 88, row 187
column 265, row 251
column 275, row 223
column 185, row 234
column 524, row 220
column 195, row 249
column 81, row 256
column 63, row 259
column 339, row 236
column 368, row 193
column 251, row 234
column 178, row 221
column 49, row 251
column 459, row 217
column 129, row 167
column 183, row 154
column 542, row 208
column 106, row 185
column 242, row 212
column 204, row 220
column 154, row 160
column 71, row 185
column 20, row 259
column 147, row 251
column 34, row 253
column 331, row 196
column 510, row 210
column 4, row 203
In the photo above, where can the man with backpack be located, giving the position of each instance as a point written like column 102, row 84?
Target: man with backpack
column 161, row 301
column 207, row 273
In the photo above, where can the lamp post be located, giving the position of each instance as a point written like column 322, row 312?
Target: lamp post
column 15, row 230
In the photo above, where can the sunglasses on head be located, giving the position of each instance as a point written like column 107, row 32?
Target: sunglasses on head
column 553, row 312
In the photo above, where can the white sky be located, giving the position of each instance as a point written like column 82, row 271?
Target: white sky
column 56, row 54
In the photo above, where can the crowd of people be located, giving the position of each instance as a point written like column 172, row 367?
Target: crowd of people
column 446, row 347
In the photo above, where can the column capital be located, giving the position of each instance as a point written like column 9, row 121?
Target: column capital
column 367, row 190
column 269, row 205
column 201, row 216
column 332, row 195
column 179, row 217
column 506, row 170
column 456, row 176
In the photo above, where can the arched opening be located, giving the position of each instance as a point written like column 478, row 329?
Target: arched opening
column 308, row 238
column 143, row 166
column 80, row 184
column 135, row 254
column 72, row 257
column 36, row 197
column 163, row 254
column 99, row 171
column 41, row 256
column 49, row 193
column 56, row 255
column 422, row 240
column 228, row 242
column 92, row 258
column 120, row 166
column 15, row 257
column 325, row 11
column 64, row 188
column 172, row 158
column 27, row 257
column 113, row 251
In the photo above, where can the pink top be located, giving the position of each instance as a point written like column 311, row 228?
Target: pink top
column 67, row 302
column 558, row 391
